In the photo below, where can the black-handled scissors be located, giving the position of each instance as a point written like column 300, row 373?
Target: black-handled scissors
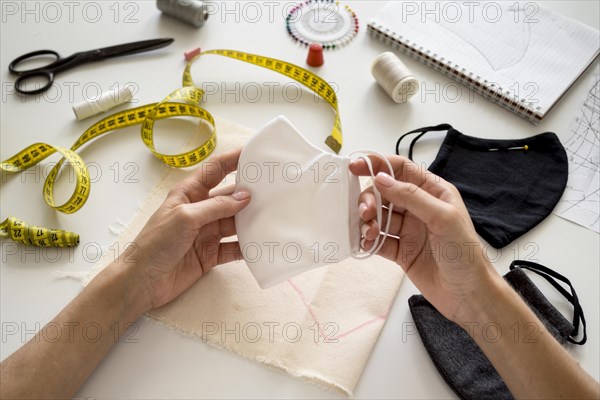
column 47, row 72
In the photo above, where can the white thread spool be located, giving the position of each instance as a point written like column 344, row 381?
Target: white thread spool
column 394, row 77
column 105, row 102
column 191, row 11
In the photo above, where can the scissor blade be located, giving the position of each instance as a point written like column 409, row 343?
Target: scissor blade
column 131, row 48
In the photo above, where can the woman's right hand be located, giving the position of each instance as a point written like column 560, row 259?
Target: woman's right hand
column 433, row 238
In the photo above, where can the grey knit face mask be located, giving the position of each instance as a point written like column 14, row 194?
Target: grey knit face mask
column 461, row 362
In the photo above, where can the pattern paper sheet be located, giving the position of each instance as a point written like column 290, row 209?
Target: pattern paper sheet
column 581, row 200
column 320, row 326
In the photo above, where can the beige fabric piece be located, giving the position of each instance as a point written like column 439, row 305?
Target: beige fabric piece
column 320, row 326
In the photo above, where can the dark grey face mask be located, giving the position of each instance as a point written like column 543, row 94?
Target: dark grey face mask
column 461, row 362
column 508, row 186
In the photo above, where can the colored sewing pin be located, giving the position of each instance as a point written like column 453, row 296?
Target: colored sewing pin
column 526, row 147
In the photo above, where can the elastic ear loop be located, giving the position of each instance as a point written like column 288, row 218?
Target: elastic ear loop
column 549, row 274
column 380, row 240
column 421, row 132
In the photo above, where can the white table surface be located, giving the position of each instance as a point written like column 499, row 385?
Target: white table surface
column 159, row 363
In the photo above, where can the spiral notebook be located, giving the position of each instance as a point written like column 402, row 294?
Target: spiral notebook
column 521, row 56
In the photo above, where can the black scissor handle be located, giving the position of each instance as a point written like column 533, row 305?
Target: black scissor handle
column 20, row 83
column 12, row 67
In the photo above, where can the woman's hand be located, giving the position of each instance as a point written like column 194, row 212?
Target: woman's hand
column 437, row 246
column 433, row 238
column 182, row 240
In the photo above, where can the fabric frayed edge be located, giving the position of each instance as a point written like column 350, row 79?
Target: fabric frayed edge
column 313, row 379
column 75, row 275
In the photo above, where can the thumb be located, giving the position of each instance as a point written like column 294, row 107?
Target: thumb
column 218, row 207
column 412, row 198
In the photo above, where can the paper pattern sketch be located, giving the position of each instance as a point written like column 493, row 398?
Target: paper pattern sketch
column 581, row 200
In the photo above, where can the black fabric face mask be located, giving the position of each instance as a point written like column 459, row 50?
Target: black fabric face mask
column 508, row 186
column 461, row 362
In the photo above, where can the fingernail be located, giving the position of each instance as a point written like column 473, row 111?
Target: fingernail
column 385, row 180
column 241, row 195
column 361, row 209
column 364, row 229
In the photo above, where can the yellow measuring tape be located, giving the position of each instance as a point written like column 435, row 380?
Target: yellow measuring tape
column 182, row 102
column 301, row 75
column 17, row 230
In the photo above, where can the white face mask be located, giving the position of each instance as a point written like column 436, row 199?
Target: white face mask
column 303, row 211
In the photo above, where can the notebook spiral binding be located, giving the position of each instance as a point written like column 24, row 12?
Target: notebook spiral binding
column 454, row 72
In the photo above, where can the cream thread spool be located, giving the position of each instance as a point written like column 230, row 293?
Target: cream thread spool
column 105, row 102
column 191, row 11
column 394, row 77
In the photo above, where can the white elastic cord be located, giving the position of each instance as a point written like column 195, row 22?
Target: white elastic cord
column 380, row 240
